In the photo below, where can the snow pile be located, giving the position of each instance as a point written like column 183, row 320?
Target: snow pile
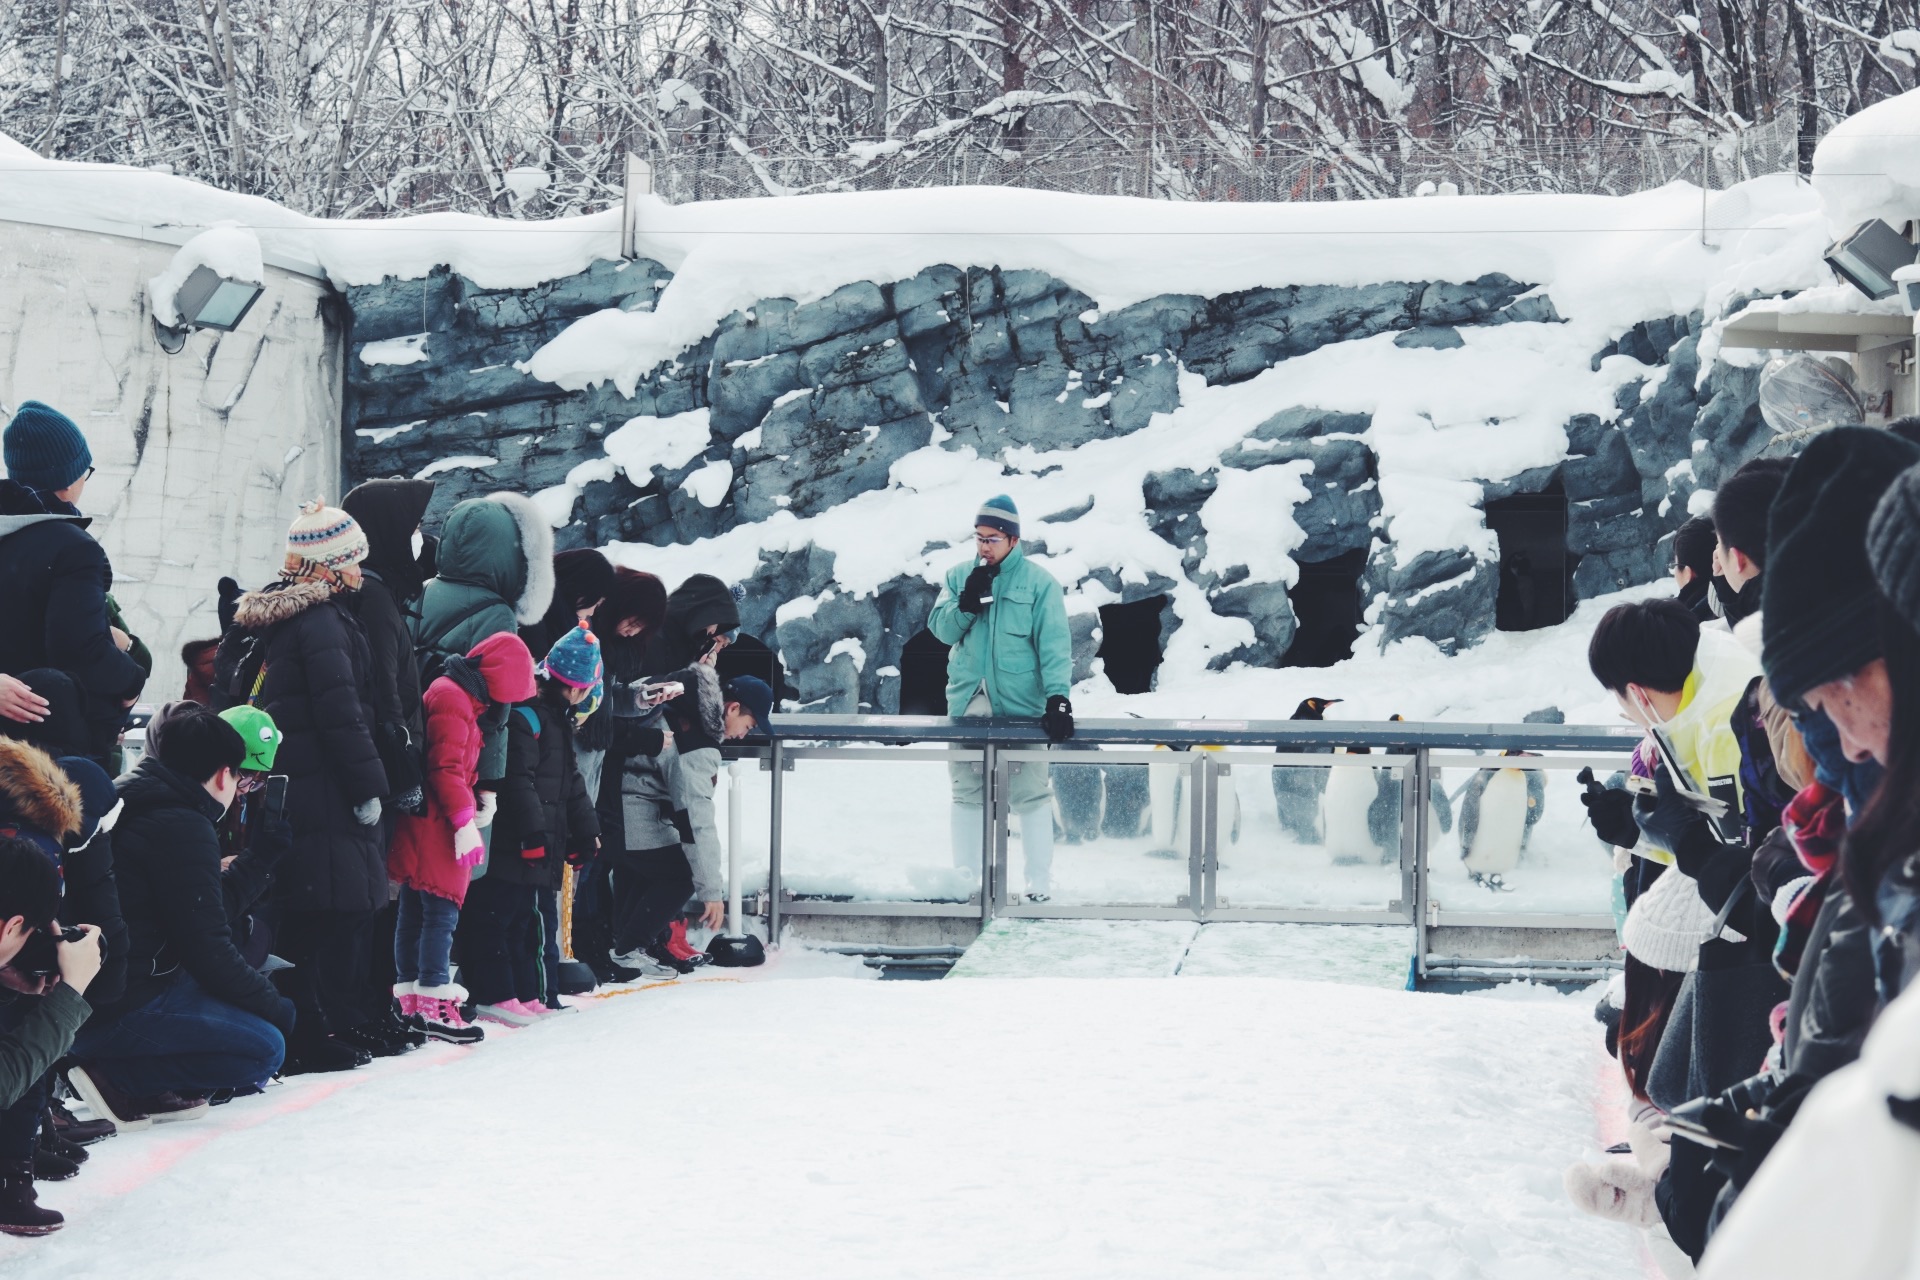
column 410, row 349
column 1869, row 166
column 1113, row 1129
column 228, row 249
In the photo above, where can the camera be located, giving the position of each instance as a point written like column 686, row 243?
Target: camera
column 40, row 957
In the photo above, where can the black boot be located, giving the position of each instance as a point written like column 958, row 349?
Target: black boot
column 403, row 1028
column 20, row 1211
column 48, row 1167
column 322, row 1053
column 74, row 1129
column 50, row 1140
column 372, row 1039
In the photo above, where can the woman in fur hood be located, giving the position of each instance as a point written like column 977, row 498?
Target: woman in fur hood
column 301, row 653
column 494, row 573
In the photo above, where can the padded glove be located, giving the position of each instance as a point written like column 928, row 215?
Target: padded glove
column 367, row 812
column 1670, row 821
column 1058, row 721
column 467, row 846
column 483, row 815
column 533, row 846
column 579, row 855
column 978, row 588
column 1610, row 810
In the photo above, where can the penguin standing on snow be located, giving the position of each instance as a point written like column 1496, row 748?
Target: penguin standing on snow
column 1498, row 809
column 1384, row 817
column 1296, row 791
column 1348, row 808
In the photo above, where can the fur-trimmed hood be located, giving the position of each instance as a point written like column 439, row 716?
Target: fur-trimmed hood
column 502, row 544
column 272, row 605
column 37, row 791
column 703, row 687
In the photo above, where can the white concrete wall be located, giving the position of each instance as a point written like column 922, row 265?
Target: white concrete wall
column 204, row 456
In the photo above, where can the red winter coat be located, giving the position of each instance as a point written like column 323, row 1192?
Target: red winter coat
column 422, row 853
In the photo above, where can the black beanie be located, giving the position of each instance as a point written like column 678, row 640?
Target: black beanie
column 194, row 742
column 1893, row 546
column 1818, row 605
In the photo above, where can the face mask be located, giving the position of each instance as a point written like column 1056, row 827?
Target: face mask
column 1639, row 702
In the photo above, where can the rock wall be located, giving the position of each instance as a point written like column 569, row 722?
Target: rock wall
column 202, row 456
column 799, row 407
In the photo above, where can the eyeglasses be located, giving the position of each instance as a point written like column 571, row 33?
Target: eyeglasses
column 89, row 473
column 989, row 539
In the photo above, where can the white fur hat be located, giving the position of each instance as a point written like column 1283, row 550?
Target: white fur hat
column 1668, row 923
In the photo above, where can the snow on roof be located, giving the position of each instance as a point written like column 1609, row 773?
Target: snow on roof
column 1869, row 166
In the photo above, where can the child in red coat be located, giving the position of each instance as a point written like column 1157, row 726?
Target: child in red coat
column 432, row 855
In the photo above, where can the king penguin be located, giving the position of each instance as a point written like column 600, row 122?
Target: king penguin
column 1498, row 809
column 1296, row 790
column 1348, row 807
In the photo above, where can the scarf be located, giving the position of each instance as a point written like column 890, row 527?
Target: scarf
column 1815, row 820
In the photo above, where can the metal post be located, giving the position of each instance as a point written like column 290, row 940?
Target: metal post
column 1423, row 782
column 997, row 789
column 1206, row 883
column 736, row 839
column 779, row 761
column 989, row 765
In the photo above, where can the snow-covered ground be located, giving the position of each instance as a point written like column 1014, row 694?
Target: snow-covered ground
column 1057, row 1128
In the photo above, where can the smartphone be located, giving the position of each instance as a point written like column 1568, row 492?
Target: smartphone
column 273, row 803
column 650, row 694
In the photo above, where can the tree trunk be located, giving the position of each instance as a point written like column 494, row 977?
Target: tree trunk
column 49, row 139
column 236, row 143
column 1809, row 115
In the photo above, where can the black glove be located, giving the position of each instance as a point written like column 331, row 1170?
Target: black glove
column 1670, row 821
column 1058, row 721
column 978, row 586
column 581, row 852
column 230, row 593
column 1610, row 810
column 272, row 839
column 413, row 800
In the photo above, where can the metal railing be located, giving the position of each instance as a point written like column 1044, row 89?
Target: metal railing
column 1197, row 760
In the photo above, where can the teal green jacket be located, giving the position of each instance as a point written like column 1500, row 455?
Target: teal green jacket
column 1020, row 646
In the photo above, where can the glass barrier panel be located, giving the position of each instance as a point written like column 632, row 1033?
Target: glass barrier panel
column 864, row 830
column 1510, row 839
column 1115, row 834
column 1308, row 837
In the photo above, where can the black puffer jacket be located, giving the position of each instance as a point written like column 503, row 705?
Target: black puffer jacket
column 700, row 602
column 388, row 511
column 319, row 690
column 543, row 802
column 54, row 579
column 169, row 877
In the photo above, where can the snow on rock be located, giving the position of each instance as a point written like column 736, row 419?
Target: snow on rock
column 646, row 443
column 408, row 349
column 1868, row 166
column 229, row 249
column 710, row 483
column 463, row 462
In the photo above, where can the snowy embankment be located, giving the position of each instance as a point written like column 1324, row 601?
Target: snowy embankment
column 1223, row 1127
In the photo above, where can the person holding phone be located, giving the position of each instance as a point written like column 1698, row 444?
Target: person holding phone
column 254, row 833
column 1012, row 656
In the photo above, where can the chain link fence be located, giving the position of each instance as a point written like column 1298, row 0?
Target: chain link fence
column 1615, row 165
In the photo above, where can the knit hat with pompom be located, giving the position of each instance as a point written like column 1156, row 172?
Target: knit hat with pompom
column 326, row 536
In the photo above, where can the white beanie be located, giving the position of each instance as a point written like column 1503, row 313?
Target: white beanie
column 1668, row 923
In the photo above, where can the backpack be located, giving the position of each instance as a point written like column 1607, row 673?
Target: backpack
column 431, row 655
column 240, row 668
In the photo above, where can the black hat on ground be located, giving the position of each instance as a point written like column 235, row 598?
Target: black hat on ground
column 1819, row 593
column 194, row 742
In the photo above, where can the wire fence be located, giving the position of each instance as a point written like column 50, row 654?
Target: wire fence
column 1615, row 165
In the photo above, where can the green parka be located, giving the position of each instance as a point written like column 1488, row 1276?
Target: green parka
column 1020, row 646
column 494, row 573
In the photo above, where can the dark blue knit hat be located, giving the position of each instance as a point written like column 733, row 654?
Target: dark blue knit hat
column 574, row 659
column 998, row 512
column 754, row 697
column 44, row 450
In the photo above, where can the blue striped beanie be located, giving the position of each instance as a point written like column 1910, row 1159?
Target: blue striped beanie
column 998, row 512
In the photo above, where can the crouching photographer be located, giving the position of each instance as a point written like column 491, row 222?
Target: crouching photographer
column 45, row 969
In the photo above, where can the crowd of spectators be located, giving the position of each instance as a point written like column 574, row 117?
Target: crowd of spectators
column 403, row 761
column 1767, row 837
